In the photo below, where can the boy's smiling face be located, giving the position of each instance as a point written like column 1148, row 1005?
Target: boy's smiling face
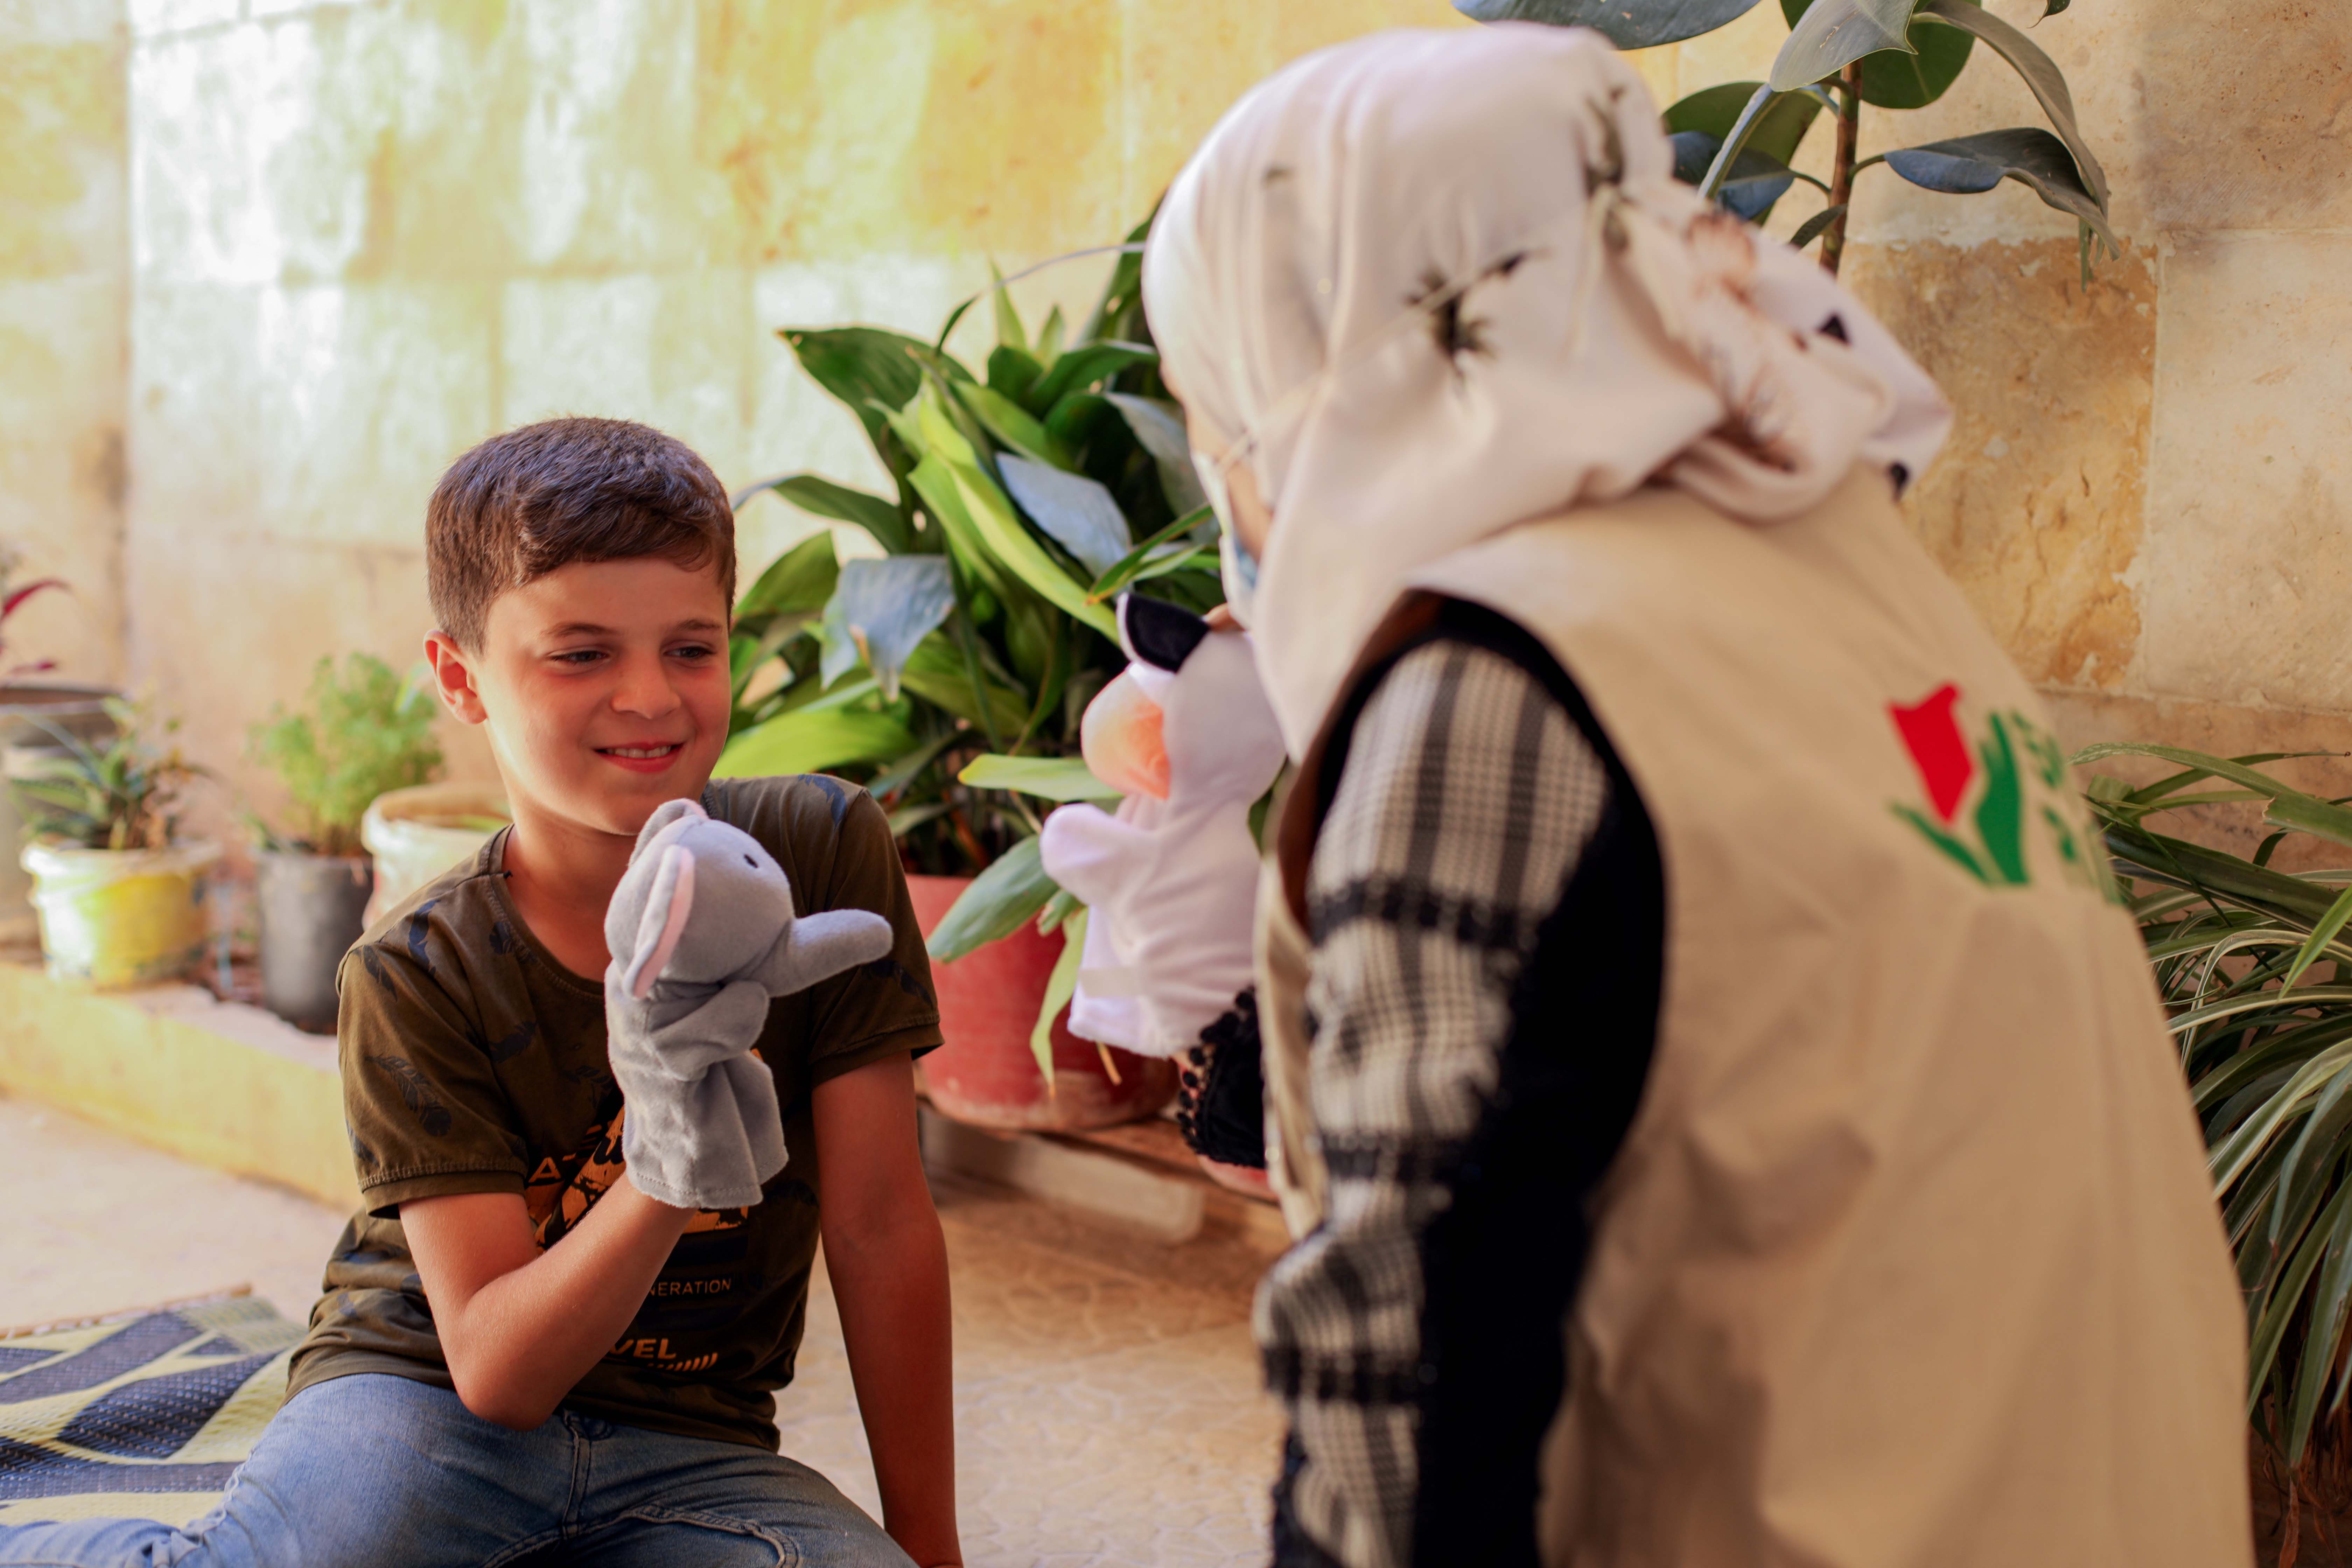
column 604, row 686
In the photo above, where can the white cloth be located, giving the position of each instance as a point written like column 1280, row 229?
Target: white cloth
column 1606, row 328
column 1171, row 886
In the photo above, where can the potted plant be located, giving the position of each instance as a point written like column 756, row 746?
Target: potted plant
column 28, row 707
column 119, row 893
column 2255, row 965
column 950, row 672
column 1735, row 141
column 364, row 731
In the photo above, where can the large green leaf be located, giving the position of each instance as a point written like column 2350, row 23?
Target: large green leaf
column 1077, row 513
column 1778, row 132
column 1159, row 426
column 2026, row 153
column 1834, row 33
column 1628, row 24
column 799, row 581
column 1000, row 900
column 937, row 673
column 881, row 611
column 1014, row 426
column 1000, row 529
column 2042, row 75
column 811, row 740
column 1082, row 367
column 1893, row 79
column 1049, row 778
column 1149, row 559
column 1755, row 182
column 862, row 366
column 877, row 516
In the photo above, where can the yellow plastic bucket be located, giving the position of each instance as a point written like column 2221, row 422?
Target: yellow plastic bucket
column 120, row 917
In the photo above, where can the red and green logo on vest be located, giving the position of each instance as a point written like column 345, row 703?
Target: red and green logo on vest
column 2016, row 772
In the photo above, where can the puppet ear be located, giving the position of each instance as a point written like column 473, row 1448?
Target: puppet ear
column 671, row 817
column 1157, row 633
column 664, row 922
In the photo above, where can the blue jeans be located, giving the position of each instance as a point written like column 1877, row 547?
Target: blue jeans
column 375, row 1471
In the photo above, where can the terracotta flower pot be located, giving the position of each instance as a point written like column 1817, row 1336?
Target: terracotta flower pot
column 985, row 1074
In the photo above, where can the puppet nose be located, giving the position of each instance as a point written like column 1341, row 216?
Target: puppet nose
column 1121, row 739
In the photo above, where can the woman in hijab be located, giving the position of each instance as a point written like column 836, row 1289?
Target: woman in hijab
column 1725, row 1116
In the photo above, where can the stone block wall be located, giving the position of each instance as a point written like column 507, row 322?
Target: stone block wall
column 270, row 264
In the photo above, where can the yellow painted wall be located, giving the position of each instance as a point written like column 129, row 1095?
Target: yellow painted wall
column 64, row 310
column 348, row 240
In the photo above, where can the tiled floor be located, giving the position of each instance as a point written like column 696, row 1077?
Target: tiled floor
column 1106, row 1403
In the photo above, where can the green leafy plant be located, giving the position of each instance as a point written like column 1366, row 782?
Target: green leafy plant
column 364, row 731
column 1738, row 140
column 948, row 673
column 119, row 793
column 2255, row 968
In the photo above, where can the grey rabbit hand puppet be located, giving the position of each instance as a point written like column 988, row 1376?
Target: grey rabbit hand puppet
column 702, row 934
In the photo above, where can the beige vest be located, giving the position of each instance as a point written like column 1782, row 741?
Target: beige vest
column 1910, row 1257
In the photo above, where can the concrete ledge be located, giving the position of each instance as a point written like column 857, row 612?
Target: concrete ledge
column 217, row 1082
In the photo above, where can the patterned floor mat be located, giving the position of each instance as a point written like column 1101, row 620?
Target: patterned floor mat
column 141, row 1416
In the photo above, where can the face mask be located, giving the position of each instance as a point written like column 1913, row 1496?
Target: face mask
column 1235, row 565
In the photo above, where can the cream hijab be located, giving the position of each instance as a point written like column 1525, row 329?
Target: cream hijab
column 1431, row 284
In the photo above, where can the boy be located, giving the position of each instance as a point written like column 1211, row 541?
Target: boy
column 519, row 1352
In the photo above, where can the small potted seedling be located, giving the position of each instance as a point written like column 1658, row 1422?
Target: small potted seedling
column 118, row 892
column 363, row 732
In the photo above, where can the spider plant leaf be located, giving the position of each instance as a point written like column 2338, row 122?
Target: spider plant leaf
column 2317, row 1150
column 1965, row 165
column 2271, row 1326
column 1049, row 346
column 1895, row 80
column 1000, row 900
column 1048, row 778
column 1628, row 24
column 2289, row 807
column 2322, row 1336
column 2043, row 77
column 900, row 771
column 2321, row 935
column 1074, row 512
column 1834, row 33
column 881, row 611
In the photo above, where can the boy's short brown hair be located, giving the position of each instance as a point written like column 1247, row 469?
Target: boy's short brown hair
column 522, row 504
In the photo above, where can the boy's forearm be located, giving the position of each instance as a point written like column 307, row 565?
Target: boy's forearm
column 892, row 1288
column 522, row 1327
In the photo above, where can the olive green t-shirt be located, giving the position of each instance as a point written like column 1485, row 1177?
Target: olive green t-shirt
column 474, row 1062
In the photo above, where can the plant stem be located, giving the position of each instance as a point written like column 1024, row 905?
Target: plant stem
column 1849, row 132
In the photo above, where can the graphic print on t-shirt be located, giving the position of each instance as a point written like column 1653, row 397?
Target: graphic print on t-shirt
column 559, row 1193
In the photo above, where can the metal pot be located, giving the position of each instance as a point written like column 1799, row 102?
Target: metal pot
column 312, row 908
column 79, row 712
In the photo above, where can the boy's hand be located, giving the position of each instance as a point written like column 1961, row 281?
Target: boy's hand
column 890, row 1271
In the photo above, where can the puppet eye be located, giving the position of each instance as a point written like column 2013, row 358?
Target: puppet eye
column 749, row 861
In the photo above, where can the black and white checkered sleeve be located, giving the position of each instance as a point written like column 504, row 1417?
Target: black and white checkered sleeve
column 1466, row 798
